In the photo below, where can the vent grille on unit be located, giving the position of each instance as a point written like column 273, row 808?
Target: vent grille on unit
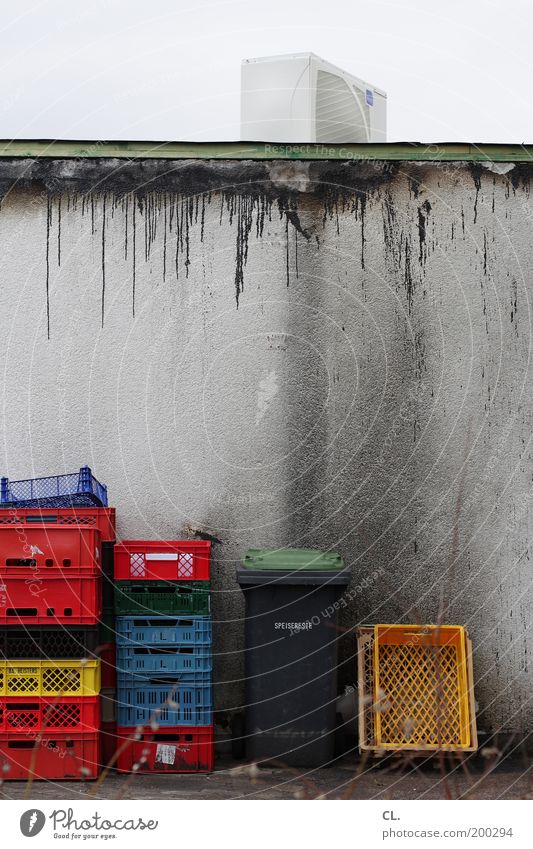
column 342, row 114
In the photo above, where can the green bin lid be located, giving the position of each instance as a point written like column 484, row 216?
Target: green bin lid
column 292, row 559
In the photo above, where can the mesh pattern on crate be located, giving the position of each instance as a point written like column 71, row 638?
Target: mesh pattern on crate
column 54, row 716
column 77, row 520
column 53, row 644
column 61, row 680
column 367, row 649
column 63, row 716
column 23, row 683
column 137, row 565
column 28, row 718
column 185, row 565
column 420, row 700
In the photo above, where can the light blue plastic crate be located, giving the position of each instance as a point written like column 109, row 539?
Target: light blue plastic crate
column 79, row 489
column 187, row 699
column 145, row 659
column 164, row 630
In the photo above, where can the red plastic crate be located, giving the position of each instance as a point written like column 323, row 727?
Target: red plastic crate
column 162, row 560
column 108, row 655
column 42, row 549
column 52, row 598
column 50, row 756
column 108, row 743
column 26, row 715
column 101, row 518
column 172, row 749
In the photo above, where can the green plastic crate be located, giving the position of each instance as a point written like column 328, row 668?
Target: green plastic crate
column 133, row 598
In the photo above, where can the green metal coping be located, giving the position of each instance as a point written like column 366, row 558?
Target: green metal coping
column 292, row 559
column 395, row 151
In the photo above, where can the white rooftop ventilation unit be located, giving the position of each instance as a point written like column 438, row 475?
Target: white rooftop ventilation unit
column 300, row 98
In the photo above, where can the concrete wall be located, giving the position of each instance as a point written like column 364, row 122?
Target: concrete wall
column 330, row 355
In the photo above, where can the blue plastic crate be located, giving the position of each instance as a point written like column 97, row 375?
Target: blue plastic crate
column 185, row 699
column 145, row 660
column 164, row 630
column 79, row 489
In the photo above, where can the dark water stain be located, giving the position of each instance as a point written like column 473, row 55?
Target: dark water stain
column 104, row 200
column 243, row 210
column 246, row 209
column 423, row 215
column 183, row 220
column 287, row 257
column 134, row 255
column 126, row 213
column 360, row 209
column 514, row 301
column 59, row 231
column 476, row 171
column 48, row 228
column 390, row 229
column 165, row 238
column 202, row 220
column 414, row 187
column 408, row 277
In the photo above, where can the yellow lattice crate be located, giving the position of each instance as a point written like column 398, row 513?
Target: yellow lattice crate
column 415, row 688
column 49, row 677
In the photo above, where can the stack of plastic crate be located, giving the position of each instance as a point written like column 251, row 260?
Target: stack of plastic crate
column 164, row 656
column 52, row 535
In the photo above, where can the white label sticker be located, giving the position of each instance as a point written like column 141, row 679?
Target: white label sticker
column 161, row 555
column 165, row 754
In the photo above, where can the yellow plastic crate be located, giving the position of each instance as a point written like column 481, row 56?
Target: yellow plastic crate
column 415, row 688
column 49, row 677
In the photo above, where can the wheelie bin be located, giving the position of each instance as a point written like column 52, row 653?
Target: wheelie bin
column 291, row 598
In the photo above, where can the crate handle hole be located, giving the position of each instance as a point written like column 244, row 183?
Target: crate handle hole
column 67, row 611
column 26, row 562
column 22, row 611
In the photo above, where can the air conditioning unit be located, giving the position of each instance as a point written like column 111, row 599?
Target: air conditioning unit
column 301, row 98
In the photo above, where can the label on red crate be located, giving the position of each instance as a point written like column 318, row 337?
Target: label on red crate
column 160, row 555
column 165, row 754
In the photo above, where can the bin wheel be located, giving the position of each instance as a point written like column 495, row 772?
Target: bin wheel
column 238, row 743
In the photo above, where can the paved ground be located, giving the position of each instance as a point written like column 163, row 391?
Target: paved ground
column 349, row 778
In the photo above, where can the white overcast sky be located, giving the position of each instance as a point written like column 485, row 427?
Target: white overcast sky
column 170, row 69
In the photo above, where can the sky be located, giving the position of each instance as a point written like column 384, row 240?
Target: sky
column 170, row 69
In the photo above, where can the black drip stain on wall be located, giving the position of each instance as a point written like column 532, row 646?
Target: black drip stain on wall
column 103, row 256
column 408, row 276
column 423, row 215
column 134, row 257
column 48, row 228
column 59, row 231
column 476, row 176
column 170, row 198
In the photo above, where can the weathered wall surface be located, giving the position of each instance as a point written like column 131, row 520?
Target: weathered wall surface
column 305, row 355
